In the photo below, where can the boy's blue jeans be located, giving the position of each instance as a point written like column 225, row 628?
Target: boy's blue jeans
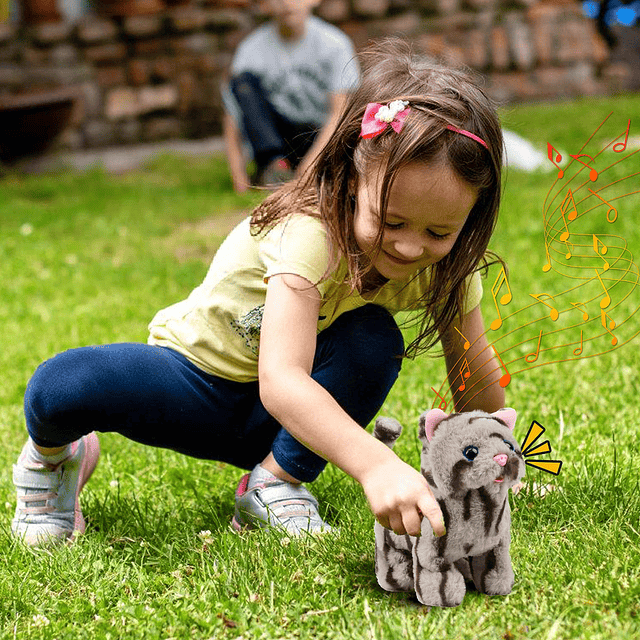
column 270, row 134
column 156, row 396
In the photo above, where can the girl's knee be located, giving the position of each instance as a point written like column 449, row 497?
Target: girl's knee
column 46, row 391
column 62, row 386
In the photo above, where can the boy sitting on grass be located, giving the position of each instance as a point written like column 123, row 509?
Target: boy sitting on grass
column 289, row 81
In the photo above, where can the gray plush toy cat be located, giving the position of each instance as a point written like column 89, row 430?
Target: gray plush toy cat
column 469, row 460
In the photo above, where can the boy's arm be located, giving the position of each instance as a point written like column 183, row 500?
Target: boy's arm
column 397, row 493
column 233, row 148
column 481, row 389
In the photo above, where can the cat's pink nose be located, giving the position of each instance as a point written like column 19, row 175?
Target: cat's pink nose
column 501, row 459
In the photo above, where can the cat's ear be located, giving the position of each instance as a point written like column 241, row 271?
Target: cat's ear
column 508, row 416
column 429, row 420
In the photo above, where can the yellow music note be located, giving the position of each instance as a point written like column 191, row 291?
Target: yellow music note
column 571, row 215
column 464, row 374
column 569, row 247
column 609, row 210
column 593, row 174
column 547, row 266
column 569, row 201
column 578, row 351
column 467, row 344
column 532, row 357
column 550, row 151
column 623, row 145
column 505, row 299
column 585, row 315
column 606, row 301
column 506, row 378
column 612, row 325
column 600, row 252
column 554, row 312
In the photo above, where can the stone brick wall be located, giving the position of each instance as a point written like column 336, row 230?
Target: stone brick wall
column 151, row 77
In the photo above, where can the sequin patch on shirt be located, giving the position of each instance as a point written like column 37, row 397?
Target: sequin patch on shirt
column 249, row 328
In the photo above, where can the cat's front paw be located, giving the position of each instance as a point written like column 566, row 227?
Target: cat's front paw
column 439, row 588
column 393, row 560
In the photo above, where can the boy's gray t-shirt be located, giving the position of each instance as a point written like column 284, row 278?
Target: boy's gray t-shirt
column 297, row 77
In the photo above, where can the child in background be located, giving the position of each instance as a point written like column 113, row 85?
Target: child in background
column 277, row 361
column 289, row 82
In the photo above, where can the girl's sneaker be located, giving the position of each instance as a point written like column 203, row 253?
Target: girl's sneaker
column 48, row 510
column 275, row 503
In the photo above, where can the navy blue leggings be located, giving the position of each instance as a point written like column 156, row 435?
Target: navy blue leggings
column 156, row 396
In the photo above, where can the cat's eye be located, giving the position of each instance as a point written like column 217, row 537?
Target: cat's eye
column 470, row 453
column 508, row 444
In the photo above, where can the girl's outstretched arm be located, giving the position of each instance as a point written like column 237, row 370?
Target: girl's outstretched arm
column 398, row 494
column 481, row 389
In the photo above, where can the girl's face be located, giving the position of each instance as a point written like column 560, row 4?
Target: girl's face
column 427, row 208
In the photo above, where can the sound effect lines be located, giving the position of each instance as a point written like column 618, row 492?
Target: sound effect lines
column 528, row 450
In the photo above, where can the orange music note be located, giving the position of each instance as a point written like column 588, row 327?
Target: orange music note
column 606, row 301
column 623, row 145
column 550, row 151
column 565, row 234
column 578, row 351
column 505, row 299
column 593, row 174
column 612, row 325
column 609, row 210
column 443, row 403
column 532, row 357
column 554, row 312
column 585, row 315
column 569, row 201
column 600, row 252
column 506, row 378
column 467, row 344
column 464, row 374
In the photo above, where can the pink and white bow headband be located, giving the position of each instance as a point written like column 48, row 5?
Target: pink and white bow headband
column 377, row 117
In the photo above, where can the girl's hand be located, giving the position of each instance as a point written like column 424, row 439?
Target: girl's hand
column 400, row 497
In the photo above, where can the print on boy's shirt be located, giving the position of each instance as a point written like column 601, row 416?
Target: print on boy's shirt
column 297, row 88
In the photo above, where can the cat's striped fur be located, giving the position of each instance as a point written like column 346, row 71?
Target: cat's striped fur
column 470, row 461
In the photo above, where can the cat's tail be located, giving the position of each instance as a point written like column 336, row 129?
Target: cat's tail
column 387, row 430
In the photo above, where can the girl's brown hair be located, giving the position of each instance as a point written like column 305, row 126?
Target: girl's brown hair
column 438, row 96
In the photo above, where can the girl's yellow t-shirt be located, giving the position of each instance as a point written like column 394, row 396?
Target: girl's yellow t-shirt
column 218, row 326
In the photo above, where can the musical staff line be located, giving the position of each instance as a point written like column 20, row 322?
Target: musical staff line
column 594, row 311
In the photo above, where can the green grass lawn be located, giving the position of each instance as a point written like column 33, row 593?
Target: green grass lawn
column 89, row 259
